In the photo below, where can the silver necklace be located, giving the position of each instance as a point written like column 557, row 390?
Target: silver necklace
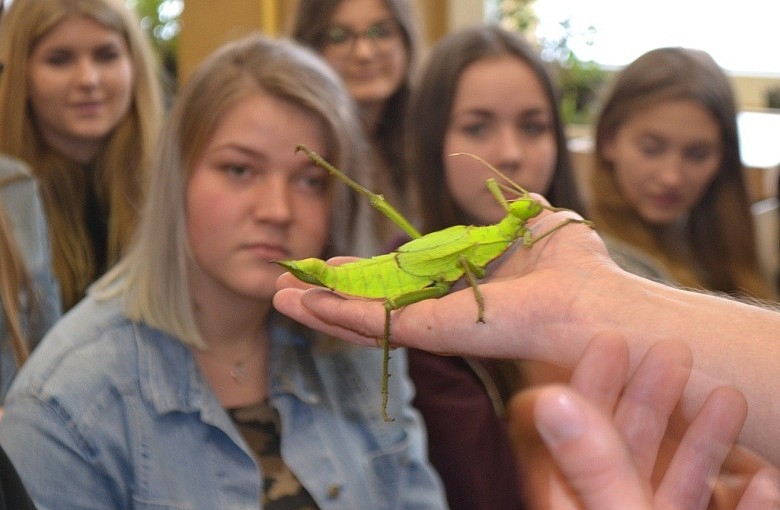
column 238, row 372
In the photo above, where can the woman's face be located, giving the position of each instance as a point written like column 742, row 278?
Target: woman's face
column 501, row 114
column 664, row 158
column 365, row 45
column 251, row 199
column 80, row 81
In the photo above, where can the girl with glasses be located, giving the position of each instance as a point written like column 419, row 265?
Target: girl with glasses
column 373, row 45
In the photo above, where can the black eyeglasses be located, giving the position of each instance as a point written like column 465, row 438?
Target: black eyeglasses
column 384, row 34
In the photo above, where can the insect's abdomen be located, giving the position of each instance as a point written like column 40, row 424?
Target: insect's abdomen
column 437, row 254
column 377, row 277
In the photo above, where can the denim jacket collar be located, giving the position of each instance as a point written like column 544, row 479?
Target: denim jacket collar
column 172, row 382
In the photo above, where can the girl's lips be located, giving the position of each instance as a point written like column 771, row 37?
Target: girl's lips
column 268, row 251
column 89, row 108
column 669, row 200
column 363, row 75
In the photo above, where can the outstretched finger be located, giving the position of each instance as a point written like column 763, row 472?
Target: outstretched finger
column 602, row 370
column 762, row 492
column 694, row 469
column 642, row 416
column 297, row 304
column 428, row 325
column 589, row 452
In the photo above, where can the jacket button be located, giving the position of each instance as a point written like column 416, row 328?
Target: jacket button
column 334, row 490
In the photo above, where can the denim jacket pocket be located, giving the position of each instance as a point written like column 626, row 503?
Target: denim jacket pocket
column 391, row 471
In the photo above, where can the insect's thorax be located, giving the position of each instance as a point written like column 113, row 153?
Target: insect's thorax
column 510, row 227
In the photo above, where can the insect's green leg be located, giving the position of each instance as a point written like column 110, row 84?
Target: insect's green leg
column 472, row 273
column 435, row 291
column 530, row 241
column 394, row 303
column 377, row 201
column 386, row 364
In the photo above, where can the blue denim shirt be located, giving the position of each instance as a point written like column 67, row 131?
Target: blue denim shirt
column 108, row 413
column 20, row 199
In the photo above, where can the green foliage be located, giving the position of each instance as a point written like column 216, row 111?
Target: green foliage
column 579, row 80
column 517, row 15
column 160, row 21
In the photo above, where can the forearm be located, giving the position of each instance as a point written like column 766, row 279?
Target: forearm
column 733, row 344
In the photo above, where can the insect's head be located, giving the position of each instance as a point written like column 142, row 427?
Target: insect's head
column 305, row 270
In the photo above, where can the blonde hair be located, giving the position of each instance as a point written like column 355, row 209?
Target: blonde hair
column 120, row 169
column 720, row 227
column 153, row 277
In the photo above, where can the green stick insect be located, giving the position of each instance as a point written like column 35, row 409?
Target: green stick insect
column 428, row 265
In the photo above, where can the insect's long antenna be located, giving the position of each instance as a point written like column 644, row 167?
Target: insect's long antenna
column 513, row 185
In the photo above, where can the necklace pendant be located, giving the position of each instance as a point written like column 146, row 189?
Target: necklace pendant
column 238, row 372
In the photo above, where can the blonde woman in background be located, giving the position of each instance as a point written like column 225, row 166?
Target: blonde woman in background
column 80, row 105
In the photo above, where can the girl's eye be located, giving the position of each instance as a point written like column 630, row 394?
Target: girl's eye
column 650, row 148
column 235, row 170
column 475, row 128
column 698, row 154
column 315, row 183
column 535, row 128
column 58, row 59
column 107, row 54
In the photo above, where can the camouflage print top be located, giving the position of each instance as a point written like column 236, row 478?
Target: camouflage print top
column 260, row 427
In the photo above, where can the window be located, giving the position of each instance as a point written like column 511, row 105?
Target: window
column 742, row 36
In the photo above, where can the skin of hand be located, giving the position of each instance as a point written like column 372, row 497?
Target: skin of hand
column 546, row 303
column 606, row 441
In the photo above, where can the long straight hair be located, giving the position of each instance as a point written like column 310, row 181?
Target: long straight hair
column 120, row 168
column 720, row 227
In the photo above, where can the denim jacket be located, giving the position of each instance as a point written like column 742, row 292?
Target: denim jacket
column 109, row 413
column 20, row 200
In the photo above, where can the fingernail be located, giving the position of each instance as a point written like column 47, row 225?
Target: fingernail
column 559, row 418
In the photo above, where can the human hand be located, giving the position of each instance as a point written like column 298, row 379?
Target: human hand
column 601, row 440
column 546, row 303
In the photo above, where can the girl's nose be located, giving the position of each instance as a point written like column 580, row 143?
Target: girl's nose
column 508, row 150
column 88, row 73
column 272, row 201
column 671, row 174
